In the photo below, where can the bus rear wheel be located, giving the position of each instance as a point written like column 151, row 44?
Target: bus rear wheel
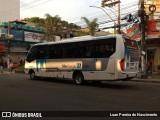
column 79, row 79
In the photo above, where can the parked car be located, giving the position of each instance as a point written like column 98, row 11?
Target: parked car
column 15, row 65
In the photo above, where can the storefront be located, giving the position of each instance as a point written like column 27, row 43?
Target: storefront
column 23, row 37
column 152, row 39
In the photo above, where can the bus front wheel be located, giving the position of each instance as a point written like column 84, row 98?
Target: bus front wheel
column 79, row 79
column 32, row 76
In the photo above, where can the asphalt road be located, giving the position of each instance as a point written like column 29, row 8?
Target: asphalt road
column 18, row 93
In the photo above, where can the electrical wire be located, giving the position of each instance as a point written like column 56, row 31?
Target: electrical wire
column 76, row 20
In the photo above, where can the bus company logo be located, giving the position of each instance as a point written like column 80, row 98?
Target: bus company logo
column 6, row 114
column 68, row 66
column 79, row 65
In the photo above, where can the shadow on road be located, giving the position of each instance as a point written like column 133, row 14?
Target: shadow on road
column 120, row 85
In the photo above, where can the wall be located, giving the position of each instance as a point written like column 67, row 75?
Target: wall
column 10, row 10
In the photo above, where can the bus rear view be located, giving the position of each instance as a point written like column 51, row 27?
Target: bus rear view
column 130, row 62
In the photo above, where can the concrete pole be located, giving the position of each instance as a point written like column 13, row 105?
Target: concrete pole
column 143, row 41
column 119, row 17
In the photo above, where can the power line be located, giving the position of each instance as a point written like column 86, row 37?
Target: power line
column 126, row 7
column 28, row 4
column 37, row 4
column 97, row 14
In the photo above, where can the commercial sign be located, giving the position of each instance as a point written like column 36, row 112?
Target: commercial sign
column 153, row 29
column 134, row 32
column 33, row 37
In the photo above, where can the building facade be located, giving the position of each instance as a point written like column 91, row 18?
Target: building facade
column 10, row 10
column 16, row 38
column 152, row 33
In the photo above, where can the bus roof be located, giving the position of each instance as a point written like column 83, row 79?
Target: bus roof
column 78, row 39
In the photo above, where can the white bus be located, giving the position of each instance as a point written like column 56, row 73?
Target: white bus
column 112, row 57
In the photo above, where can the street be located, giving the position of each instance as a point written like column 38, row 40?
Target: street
column 19, row 93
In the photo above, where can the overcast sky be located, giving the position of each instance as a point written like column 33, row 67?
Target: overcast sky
column 67, row 9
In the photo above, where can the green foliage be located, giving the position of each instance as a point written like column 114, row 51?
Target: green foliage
column 92, row 25
column 38, row 22
column 81, row 33
column 20, row 68
column 53, row 26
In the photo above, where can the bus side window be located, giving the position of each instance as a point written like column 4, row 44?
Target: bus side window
column 88, row 52
column 56, row 52
column 43, row 52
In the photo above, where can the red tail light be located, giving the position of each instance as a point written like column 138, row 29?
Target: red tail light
column 122, row 62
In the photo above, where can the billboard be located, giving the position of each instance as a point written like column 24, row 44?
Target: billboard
column 153, row 29
column 33, row 37
column 18, row 35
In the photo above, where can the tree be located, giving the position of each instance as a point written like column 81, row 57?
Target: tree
column 52, row 26
column 92, row 25
column 38, row 22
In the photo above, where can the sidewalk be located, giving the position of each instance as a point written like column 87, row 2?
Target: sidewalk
column 155, row 78
column 6, row 71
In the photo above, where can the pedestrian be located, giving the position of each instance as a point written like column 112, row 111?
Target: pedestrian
column 11, row 66
column 151, row 66
column 21, row 62
column 8, row 62
column 148, row 67
column 1, row 65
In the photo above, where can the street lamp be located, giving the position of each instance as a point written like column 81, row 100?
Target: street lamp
column 115, row 24
column 111, row 3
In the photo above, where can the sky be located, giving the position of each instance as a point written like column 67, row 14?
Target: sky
column 69, row 10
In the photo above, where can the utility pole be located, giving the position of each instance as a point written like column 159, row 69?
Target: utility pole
column 111, row 3
column 143, row 41
column 8, row 37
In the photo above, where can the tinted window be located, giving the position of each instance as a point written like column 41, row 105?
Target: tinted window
column 102, row 48
column 42, row 52
column 91, row 49
column 56, row 51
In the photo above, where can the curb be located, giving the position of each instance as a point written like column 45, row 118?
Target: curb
column 153, row 80
column 18, row 71
column 149, row 81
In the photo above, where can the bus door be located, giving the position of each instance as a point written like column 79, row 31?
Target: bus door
column 41, row 61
